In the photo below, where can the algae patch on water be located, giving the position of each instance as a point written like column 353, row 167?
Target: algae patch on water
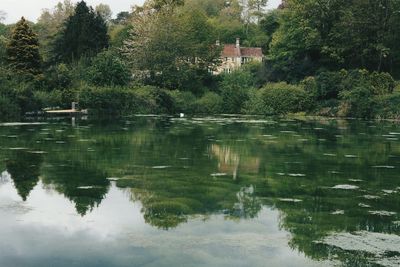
column 378, row 246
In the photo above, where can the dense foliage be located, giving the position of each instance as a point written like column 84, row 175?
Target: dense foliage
column 84, row 34
column 330, row 58
column 23, row 50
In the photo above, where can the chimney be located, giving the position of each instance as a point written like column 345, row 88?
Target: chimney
column 237, row 42
column 217, row 43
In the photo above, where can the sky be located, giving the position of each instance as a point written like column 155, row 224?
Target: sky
column 32, row 9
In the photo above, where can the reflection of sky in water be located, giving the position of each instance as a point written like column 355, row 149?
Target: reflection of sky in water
column 47, row 231
column 231, row 191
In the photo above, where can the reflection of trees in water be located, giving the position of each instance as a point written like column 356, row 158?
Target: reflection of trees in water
column 80, row 183
column 284, row 157
column 24, row 168
column 172, row 196
column 169, row 201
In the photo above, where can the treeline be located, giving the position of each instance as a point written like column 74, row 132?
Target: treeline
column 332, row 58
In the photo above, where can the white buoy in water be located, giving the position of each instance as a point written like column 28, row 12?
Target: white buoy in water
column 181, row 115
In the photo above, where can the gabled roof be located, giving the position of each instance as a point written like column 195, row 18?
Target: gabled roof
column 251, row 52
column 230, row 50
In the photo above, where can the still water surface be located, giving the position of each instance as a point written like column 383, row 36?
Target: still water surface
column 158, row 191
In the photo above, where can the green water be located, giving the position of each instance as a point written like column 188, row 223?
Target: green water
column 159, row 191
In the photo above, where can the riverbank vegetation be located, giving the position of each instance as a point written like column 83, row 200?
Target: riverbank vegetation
column 330, row 58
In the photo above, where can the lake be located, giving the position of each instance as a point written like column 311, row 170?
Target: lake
column 218, row 191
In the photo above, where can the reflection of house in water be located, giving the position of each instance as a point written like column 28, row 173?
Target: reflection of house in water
column 231, row 162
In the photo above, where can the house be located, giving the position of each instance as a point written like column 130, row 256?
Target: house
column 233, row 56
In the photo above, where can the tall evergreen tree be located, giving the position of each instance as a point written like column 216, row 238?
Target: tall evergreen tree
column 23, row 49
column 85, row 34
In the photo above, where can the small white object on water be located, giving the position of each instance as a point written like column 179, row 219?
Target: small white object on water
column 181, row 115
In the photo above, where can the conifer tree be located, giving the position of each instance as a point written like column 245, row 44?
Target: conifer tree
column 85, row 34
column 23, row 49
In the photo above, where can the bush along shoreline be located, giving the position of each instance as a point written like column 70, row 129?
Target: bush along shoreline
column 343, row 94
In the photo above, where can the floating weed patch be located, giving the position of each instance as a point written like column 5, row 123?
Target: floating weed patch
column 379, row 248
column 293, row 200
column 296, row 175
column 338, row 212
column 384, row 167
column 219, row 174
column 356, row 180
column 371, row 197
column 37, row 152
column 382, row 212
column 89, row 187
column 389, row 191
column 345, row 187
column 160, row 167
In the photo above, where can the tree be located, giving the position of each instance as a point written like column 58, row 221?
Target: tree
column 50, row 23
column 171, row 48
column 122, row 18
column 257, row 8
column 108, row 69
column 23, row 49
column 335, row 34
column 104, row 11
column 85, row 34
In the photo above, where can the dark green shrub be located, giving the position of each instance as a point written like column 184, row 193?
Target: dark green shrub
column 382, row 83
column 58, row 77
column 183, row 101
column 329, row 85
column 47, row 99
column 278, row 98
column 209, row 103
column 233, row 90
column 107, row 69
column 357, row 102
column 125, row 101
column 8, row 109
column 160, row 101
column 109, row 101
column 388, row 106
